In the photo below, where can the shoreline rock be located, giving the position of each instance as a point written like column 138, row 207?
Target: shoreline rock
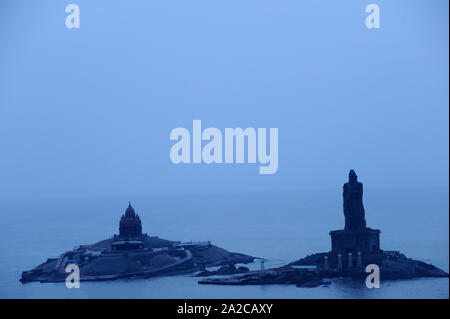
column 153, row 257
column 393, row 265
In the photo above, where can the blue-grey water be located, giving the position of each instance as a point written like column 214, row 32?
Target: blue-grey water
column 280, row 227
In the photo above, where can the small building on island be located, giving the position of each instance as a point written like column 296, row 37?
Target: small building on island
column 130, row 224
column 130, row 232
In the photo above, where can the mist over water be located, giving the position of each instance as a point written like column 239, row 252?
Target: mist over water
column 281, row 227
column 86, row 116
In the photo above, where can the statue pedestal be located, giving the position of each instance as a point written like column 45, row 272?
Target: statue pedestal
column 350, row 241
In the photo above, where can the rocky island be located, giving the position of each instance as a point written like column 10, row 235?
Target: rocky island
column 132, row 254
column 352, row 249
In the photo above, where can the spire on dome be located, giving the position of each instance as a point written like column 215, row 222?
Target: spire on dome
column 129, row 212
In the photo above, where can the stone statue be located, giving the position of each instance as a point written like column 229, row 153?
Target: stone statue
column 353, row 205
column 356, row 237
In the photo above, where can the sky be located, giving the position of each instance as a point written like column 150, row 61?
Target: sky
column 88, row 112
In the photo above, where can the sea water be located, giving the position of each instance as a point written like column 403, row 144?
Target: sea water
column 280, row 227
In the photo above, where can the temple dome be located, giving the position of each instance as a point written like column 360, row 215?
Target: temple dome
column 130, row 224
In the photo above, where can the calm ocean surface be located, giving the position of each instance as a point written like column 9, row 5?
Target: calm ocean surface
column 281, row 227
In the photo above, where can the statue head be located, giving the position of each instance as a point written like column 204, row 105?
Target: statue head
column 352, row 177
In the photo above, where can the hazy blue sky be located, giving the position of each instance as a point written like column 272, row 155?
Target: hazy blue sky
column 88, row 112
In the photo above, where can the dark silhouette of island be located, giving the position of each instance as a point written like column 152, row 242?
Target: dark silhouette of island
column 352, row 249
column 356, row 246
column 132, row 254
